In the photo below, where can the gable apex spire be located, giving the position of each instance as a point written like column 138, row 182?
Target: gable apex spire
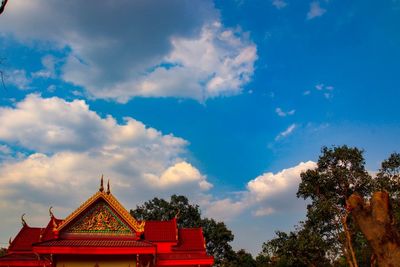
column 101, row 189
column 108, row 187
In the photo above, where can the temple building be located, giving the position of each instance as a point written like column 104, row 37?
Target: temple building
column 102, row 233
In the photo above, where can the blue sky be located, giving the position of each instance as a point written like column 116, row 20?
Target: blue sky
column 224, row 101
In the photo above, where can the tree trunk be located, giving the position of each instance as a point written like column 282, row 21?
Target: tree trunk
column 375, row 222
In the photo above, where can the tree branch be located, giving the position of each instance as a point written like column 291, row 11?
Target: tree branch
column 3, row 6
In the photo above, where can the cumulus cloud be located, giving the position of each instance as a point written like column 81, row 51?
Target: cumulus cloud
column 286, row 132
column 120, row 50
column 264, row 195
column 178, row 174
column 315, row 10
column 68, row 146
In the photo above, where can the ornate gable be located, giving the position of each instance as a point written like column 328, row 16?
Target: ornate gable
column 100, row 219
column 101, row 214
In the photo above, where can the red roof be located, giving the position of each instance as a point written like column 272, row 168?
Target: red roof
column 93, row 243
column 191, row 239
column 161, row 231
column 183, row 256
column 48, row 233
column 24, row 239
column 23, row 259
column 20, row 256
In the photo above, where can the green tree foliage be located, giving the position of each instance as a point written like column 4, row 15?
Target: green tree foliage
column 302, row 247
column 217, row 235
column 188, row 215
column 328, row 235
column 3, row 252
column 243, row 259
column 388, row 179
column 340, row 172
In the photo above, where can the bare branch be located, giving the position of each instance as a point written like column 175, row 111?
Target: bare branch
column 3, row 6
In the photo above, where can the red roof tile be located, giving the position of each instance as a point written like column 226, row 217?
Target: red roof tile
column 20, row 256
column 161, row 231
column 183, row 256
column 48, row 233
column 24, row 239
column 93, row 243
column 23, row 259
column 190, row 239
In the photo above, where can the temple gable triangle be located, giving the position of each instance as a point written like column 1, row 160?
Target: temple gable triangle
column 99, row 219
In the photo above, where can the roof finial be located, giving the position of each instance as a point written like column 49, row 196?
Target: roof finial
column 9, row 241
column 108, row 187
column 23, row 220
column 51, row 212
column 101, row 184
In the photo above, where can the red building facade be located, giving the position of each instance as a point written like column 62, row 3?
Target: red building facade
column 102, row 233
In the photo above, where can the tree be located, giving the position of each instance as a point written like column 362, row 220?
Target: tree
column 340, row 172
column 302, row 247
column 376, row 222
column 159, row 209
column 263, row 260
column 242, row 259
column 217, row 235
column 3, row 5
column 3, row 251
column 388, row 177
column 2, row 74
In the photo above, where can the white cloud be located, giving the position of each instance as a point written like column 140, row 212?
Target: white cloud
column 264, row 211
column 73, row 145
column 49, row 68
column 4, row 149
column 327, row 90
column 282, row 113
column 315, row 10
column 319, row 86
column 178, row 174
column 149, row 49
column 286, row 132
column 279, row 4
column 225, row 209
column 18, row 78
column 264, row 195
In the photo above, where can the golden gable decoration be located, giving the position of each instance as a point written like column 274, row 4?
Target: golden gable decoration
column 100, row 216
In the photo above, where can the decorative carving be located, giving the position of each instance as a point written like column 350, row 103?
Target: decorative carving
column 100, row 219
column 113, row 202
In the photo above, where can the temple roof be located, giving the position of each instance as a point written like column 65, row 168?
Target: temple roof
column 102, row 226
column 191, row 239
column 25, row 238
column 93, row 243
column 161, row 231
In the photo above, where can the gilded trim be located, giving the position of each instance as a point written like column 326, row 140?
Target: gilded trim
column 114, row 203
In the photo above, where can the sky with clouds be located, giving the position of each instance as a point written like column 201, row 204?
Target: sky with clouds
column 226, row 102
